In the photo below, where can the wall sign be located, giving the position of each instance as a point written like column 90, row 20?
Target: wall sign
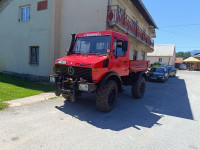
column 42, row 5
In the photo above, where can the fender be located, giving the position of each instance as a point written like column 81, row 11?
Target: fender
column 112, row 76
column 138, row 75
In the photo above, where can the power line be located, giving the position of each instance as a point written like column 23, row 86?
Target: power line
column 182, row 35
column 188, row 47
column 185, row 25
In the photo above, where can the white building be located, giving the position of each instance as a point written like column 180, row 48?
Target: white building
column 164, row 54
column 34, row 33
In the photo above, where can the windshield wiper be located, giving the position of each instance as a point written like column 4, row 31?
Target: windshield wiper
column 93, row 52
column 78, row 52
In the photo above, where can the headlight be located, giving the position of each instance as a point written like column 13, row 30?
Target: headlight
column 52, row 79
column 83, row 87
column 61, row 62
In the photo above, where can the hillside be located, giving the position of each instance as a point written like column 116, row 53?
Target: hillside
column 194, row 52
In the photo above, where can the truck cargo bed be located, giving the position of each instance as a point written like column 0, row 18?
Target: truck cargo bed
column 136, row 65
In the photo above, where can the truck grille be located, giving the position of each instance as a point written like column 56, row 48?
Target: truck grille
column 79, row 72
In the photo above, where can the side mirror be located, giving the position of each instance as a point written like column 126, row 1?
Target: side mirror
column 108, row 51
column 125, row 46
column 67, row 50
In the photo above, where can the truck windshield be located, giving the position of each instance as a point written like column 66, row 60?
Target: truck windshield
column 92, row 45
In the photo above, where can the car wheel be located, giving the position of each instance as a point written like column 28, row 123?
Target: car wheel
column 164, row 80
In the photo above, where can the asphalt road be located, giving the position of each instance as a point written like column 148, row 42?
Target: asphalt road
column 167, row 118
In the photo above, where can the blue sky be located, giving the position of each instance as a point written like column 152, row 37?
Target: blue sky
column 176, row 13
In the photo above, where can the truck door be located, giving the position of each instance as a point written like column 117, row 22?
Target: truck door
column 120, row 58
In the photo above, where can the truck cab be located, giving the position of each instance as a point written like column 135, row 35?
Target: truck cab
column 99, row 62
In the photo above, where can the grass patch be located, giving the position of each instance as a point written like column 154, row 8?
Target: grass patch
column 14, row 88
column 52, row 98
column 3, row 106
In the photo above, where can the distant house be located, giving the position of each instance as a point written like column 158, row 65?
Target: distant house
column 197, row 65
column 197, row 55
column 164, row 54
column 179, row 60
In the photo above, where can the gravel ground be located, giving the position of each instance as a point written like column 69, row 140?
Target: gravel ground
column 167, row 117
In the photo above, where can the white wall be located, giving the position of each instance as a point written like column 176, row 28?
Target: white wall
column 80, row 16
column 49, row 29
column 166, row 60
column 16, row 37
column 153, row 59
column 173, row 59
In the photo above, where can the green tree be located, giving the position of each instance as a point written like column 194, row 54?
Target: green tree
column 180, row 54
column 185, row 55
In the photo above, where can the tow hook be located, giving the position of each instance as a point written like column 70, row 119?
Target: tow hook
column 58, row 91
column 69, row 95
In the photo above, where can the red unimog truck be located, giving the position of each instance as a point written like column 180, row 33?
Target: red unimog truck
column 99, row 62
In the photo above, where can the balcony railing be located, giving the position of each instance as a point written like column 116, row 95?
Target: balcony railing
column 117, row 16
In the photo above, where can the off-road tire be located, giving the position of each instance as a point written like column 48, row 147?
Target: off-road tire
column 66, row 97
column 138, row 88
column 57, row 93
column 106, row 96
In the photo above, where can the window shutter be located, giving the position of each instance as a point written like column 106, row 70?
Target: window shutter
column 27, row 13
column 37, row 51
column 23, row 14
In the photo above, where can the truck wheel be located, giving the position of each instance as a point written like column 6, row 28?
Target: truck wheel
column 138, row 88
column 106, row 96
column 57, row 93
column 66, row 97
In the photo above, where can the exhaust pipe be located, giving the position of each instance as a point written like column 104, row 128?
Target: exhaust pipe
column 72, row 42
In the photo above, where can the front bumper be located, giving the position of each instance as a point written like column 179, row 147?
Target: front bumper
column 69, row 86
column 157, row 78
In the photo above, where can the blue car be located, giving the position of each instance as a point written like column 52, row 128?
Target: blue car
column 171, row 70
column 158, row 73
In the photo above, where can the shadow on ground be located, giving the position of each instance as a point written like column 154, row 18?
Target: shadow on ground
column 168, row 98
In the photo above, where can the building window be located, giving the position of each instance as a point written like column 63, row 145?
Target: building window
column 160, row 60
column 143, row 55
column 25, row 13
column 134, row 55
column 34, row 54
column 117, row 49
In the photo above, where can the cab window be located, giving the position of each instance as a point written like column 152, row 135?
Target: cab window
column 118, row 48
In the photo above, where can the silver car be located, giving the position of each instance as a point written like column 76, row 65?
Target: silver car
column 182, row 67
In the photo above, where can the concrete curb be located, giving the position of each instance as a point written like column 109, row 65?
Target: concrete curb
column 31, row 99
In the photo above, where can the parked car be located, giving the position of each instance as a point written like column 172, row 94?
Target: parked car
column 171, row 71
column 182, row 67
column 158, row 73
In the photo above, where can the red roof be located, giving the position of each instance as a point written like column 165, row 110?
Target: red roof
column 179, row 60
